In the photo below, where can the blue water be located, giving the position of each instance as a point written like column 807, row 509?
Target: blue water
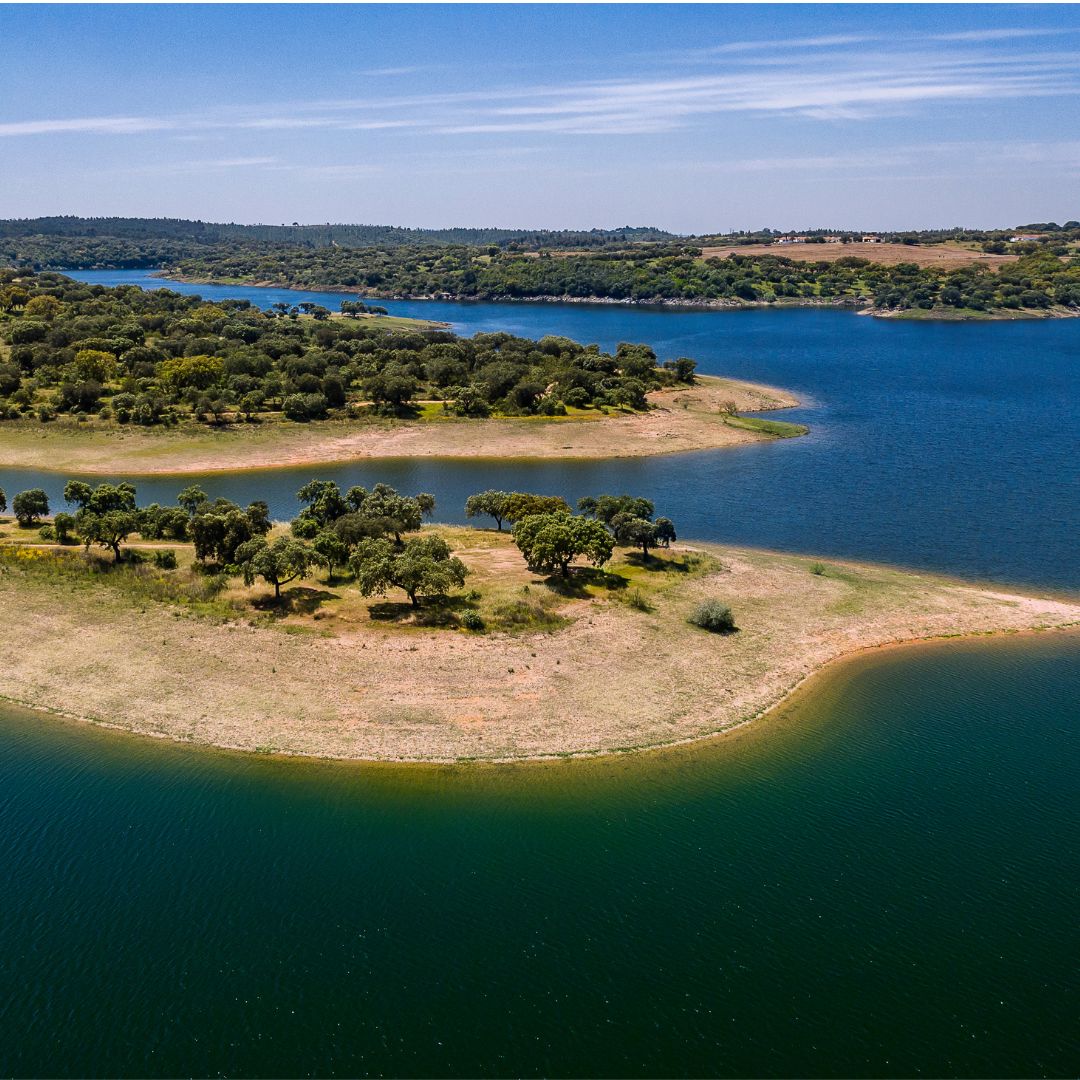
column 945, row 446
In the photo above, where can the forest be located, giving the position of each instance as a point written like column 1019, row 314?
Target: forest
column 651, row 273
column 128, row 356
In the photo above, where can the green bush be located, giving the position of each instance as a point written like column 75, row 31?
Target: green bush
column 47, row 532
column 638, row 602
column 714, row 616
column 471, row 620
column 165, row 560
column 817, row 569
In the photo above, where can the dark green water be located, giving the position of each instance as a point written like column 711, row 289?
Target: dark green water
column 881, row 880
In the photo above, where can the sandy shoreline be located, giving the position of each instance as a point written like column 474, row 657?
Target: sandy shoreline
column 614, row 680
column 682, row 420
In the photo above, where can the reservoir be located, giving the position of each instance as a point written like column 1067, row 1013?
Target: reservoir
column 880, row 878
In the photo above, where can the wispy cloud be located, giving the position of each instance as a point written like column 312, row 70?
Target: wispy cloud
column 199, row 167
column 391, row 72
column 86, row 125
column 826, row 80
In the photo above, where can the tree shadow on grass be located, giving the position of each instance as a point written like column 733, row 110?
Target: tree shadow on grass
column 678, row 565
column 433, row 611
column 297, row 601
column 576, row 584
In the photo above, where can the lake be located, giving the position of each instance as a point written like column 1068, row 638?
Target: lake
column 879, row 879
column 942, row 446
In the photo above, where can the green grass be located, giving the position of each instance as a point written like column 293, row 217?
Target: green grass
column 951, row 314
column 778, row 429
column 136, row 582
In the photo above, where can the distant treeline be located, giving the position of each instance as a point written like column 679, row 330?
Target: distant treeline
column 137, row 239
column 650, row 273
column 635, row 265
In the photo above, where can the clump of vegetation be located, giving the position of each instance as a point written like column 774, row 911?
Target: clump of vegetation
column 630, row 520
column 165, row 560
column 472, row 620
column 129, row 356
column 818, row 569
column 527, row 614
column 638, row 601
column 778, row 429
column 714, row 616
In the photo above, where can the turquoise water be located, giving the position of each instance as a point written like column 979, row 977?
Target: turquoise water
column 881, row 879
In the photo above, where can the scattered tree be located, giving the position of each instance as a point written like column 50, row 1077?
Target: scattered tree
column 422, row 566
column 107, row 514
column 551, row 542
column 277, row 563
column 491, row 503
column 29, row 507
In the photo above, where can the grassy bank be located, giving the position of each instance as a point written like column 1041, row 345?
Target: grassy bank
column 776, row 429
column 604, row 661
column 679, row 420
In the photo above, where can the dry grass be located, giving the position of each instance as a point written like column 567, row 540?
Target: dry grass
column 945, row 256
column 326, row 678
column 682, row 420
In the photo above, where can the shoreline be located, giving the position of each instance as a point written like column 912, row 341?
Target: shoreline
column 856, row 305
column 683, row 420
column 804, row 685
column 609, row 682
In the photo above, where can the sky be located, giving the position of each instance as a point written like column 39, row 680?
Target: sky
column 694, row 118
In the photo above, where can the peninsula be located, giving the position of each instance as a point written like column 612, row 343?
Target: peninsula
column 98, row 380
column 575, row 635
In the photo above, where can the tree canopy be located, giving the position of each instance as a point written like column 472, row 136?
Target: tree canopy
column 422, row 566
column 551, row 542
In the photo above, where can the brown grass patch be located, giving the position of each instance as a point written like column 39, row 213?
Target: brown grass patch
column 945, row 256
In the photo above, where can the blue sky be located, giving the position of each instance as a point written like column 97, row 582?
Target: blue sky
column 694, row 118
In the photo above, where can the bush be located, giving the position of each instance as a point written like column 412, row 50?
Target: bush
column 638, row 602
column 303, row 407
column 817, row 569
column 471, row 620
column 47, row 532
column 713, row 616
column 165, row 559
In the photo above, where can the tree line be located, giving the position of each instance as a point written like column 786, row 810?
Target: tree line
column 649, row 273
column 133, row 356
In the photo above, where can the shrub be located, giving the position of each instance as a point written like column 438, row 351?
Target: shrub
column 47, row 532
column 638, row 602
column 165, row 559
column 817, row 569
column 471, row 620
column 714, row 616
column 302, row 407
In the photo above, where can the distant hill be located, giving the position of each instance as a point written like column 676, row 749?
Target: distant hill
column 316, row 236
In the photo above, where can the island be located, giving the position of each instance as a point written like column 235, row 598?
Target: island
column 360, row 631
